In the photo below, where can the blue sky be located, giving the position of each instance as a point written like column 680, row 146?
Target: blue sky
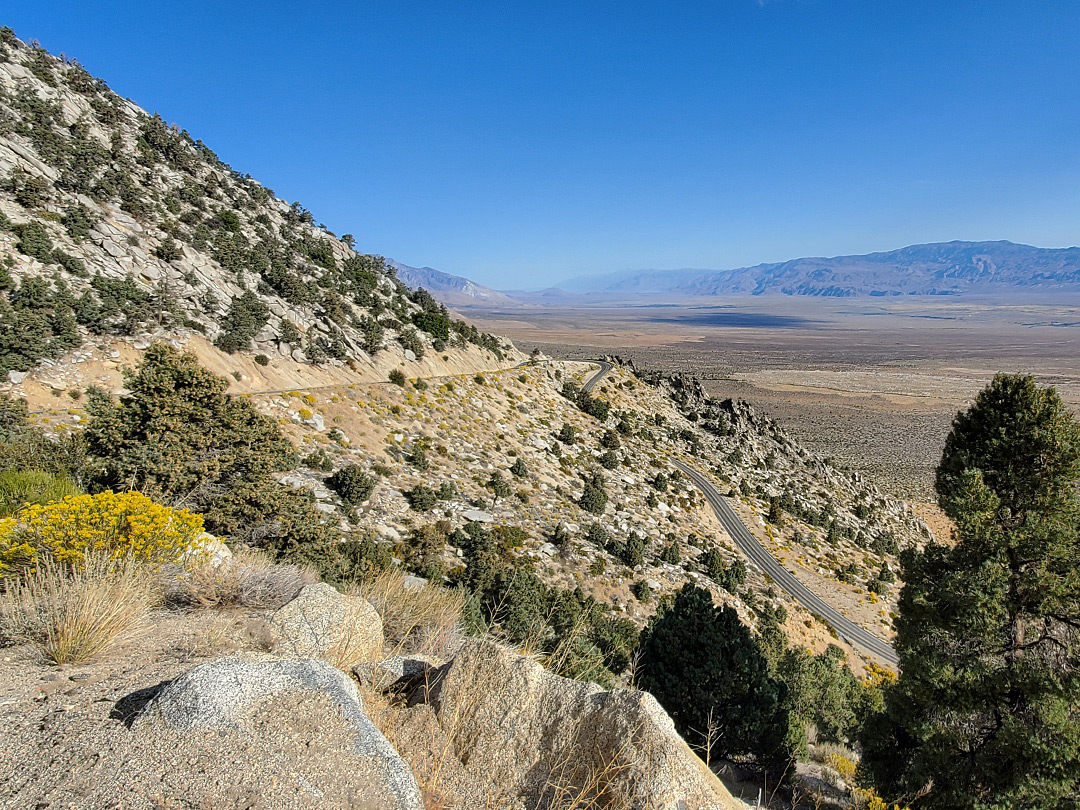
column 522, row 143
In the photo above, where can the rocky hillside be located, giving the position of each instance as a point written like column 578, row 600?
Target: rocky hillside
column 115, row 226
column 583, row 492
column 118, row 229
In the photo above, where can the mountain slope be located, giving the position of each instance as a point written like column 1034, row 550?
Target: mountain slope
column 944, row 268
column 115, row 225
column 449, row 289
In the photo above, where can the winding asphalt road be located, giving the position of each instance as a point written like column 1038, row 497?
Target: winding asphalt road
column 748, row 544
column 605, row 367
column 758, row 554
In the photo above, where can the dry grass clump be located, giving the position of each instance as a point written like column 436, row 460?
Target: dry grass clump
column 415, row 619
column 247, row 579
column 73, row 614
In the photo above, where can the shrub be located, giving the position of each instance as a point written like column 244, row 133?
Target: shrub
column 593, row 497
column 421, row 498
column 410, row 340
column 262, row 359
column 246, row 316
column 641, row 591
column 352, row 484
column 671, row 554
column 19, row 488
column 178, row 434
column 567, row 434
column 121, row 524
column 247, row 579
column 397, row 377
column 498, row 485
column 74, row 614
column 518, row 468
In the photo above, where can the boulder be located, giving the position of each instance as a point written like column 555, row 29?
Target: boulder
column 278, row 708
column 396, row 672
column 323, row 623
column 543, row 737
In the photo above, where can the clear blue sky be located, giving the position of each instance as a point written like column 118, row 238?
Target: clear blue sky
column 520, row 143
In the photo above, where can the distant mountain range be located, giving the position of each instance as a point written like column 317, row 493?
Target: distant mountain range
column 449, row 289
column 939, row 268
column 942, row 268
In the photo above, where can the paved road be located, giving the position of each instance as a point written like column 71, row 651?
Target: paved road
column 605, row 367
column 748, row 544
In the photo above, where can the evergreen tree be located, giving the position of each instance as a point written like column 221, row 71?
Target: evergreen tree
column 708, row 672
column 986, row 712
column 178, row 437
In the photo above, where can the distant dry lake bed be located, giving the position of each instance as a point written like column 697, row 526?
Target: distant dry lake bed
column 874, row 383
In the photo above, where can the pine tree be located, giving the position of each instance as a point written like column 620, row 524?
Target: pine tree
column 986, row 712
column 707, row 670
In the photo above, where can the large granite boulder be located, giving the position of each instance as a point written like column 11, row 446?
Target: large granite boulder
column 301, row 721
column 322, row 622
column 551, row 739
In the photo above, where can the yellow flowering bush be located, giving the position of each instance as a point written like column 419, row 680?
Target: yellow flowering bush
column 122, row 524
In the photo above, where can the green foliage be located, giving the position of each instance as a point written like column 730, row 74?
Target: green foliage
column 178, row 437
column 36, row 321
column 246, row 316
column 575, row 634
column 371, row 335
column 421, row 498
column 671, row 554
column 168, row 250
column 567, row 434
column 597, row 408
column 19, row 488
column 498, row 485
column 707, row 671
column 435, row 324
column 352, row 484
column 25, row 447
column 609, row 460
column 418, row 456
column 518, row 468
column 319, row 460
column 288, row 333
column 641, row 591
column 397, row 377
column 986, row 704
column 351, row 561
column 593, row 496
column 410, row 339
column 610, row 440
column 158, row 142
column 34, row 241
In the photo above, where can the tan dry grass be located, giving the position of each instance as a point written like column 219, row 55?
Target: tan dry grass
column 417, row 620
column 247, row 579
column 75, row 614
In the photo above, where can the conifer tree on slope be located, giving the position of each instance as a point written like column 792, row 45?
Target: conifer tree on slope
column 987, row 708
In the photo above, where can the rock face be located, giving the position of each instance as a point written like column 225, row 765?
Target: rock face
column 224, row 696
column 548, row 738
column 323, row 623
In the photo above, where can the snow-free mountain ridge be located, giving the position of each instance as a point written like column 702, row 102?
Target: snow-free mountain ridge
column 941, row 268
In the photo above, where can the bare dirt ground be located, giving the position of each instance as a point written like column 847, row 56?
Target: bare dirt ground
column 874, row 383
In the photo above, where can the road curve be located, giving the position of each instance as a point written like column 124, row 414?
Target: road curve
column 605, row 367
column 748, row 544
